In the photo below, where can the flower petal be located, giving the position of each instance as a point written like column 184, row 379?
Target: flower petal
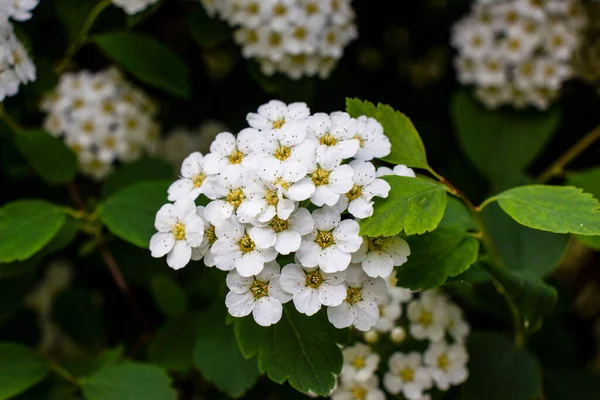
column 341, row 316
column 239, row 305
column 161, row 243
column 267, row 311
column 306, row 301
column 180, row 255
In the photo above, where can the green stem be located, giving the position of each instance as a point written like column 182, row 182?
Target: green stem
column 557, row 167
column 63, row 373
column 492, row 250
column 12, row 123
column 82, row 37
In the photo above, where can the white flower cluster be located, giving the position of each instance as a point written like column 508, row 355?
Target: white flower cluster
column 16, row 67
column 261, row 185
column 294, row 37
column 102, row 118
column 134, row 6
column 180, row 142
column 443, row 364
column 518, row 52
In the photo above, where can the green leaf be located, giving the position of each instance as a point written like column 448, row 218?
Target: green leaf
column 499, row 371
column 435, row 256
column 48, row 155
column 63, row 238
column 299, row 349
column 173, row 346
column 588, row 180
column 138, row 18
column 168, row 295
column 523, row 248
column 407, row 146
column 20, row 368
column 593, row 242
column 216, row 351
column 149, row 60
column 533, row 298
column 552, row 208
column 457, row 216
column 413, row 205
column 129, row 381
column 568, row 384
column 146, row 169
column 501, row 143
column 130, row 213
column 26, row 226
column 206, row 31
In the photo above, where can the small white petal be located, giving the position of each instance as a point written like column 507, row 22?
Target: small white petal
column 239, row 305
column 180, row 255
column 161, row 243
column 306, row 301
column 267, row 311
column 341, row 316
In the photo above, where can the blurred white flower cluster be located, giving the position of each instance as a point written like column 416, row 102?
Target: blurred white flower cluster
column 134, row 6
column 518, row 52
column 102, row 118
column 294, row 37
column 16, row 67
column 430, row 317
column 260, row 185
column 180, row 142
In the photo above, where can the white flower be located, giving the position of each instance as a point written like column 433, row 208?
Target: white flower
column 277, row 116
column 228, row 194
column 179, row 229
column 235, row 248
column 457, row 326
column 363, row 295
column 359, row 199
column 330, row 245
column 210, row 237
column 260, row 295
column 398, row 335
column 407, row 375
column 264, row 202
column 378, row 256
column 330, row 180
column 428, row 316
column 336, row 136
column 360, row 363
column 312, row 288
column 373, row 142
column 284, row 235
column 133, row 6
column 389, row 312
column 447, row 363
column 192, row 178
column 17, row 67
column 20, row 10
column 359, row 390
column 399, row 170
column 229, row 155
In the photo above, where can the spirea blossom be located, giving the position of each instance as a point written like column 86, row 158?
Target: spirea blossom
column 518, row 52
column 134, row 6
column 16, row 67
column 102, row 118
column 288, row 187
column 294, row 37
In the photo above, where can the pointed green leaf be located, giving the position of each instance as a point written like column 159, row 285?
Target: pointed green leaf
column 413, row 205
column 20, row 368
column 216, row 351
column 588, row 180
column 299, row 349
column 129, row 381
column 130, row 212
column 552, row 208
column 407, row 146
column 148, row 59
column 499, row 371
column 49, row 156
column 593, row 242
column 501, row 143
column 168, row 295
column 26, row 226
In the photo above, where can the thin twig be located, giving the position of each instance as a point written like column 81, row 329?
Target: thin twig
column 557, row 167
column 63, row 373
column 12, row 123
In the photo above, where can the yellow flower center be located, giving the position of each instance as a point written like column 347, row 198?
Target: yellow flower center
column 271, row 197
column 324, row 239
column 199, row 180
column 110, row 142
column 131, row 123
column 78, row 103
column 314, row 279
column 358, row 362
column 328, row 140
column 361, row 141
column 88, row 127
column 280, row 9
column 178, row 231
column 246, row 244
column 282, row 153
column 354, row 193
column 274, row 39
column 443, row 362
column 425, row 319
column 320, row 177
column 236, row 157
column 259, row 289
column 312, row 8
column 300, row 33
column 253, row 8
column 353, row 295
column 359, row 393
column 284, row 184
column 407, row 374
column 279, row 225
column 108, row 107
column 210, row 235
column 278, row 123
column 235, row 197
column 375, row 243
